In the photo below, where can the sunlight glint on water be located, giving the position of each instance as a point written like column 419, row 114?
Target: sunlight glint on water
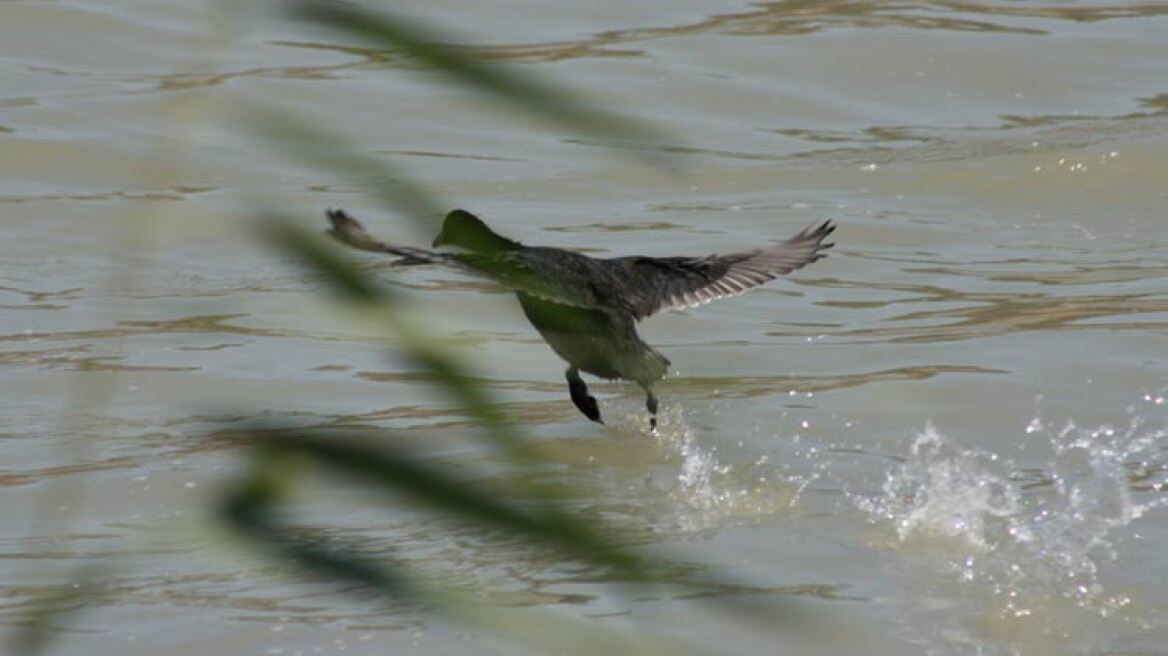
column 709, row 492
column 1031, row 540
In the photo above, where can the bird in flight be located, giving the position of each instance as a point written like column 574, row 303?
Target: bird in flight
column 587, row 308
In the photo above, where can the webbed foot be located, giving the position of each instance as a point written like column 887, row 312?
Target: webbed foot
column 580, row 396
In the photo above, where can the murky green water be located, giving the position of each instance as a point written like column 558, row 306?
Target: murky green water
column 954, row 428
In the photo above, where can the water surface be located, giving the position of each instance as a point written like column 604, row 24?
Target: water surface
column 954, row 428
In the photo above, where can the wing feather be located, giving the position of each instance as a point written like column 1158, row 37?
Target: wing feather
column 637, row 286
column 654, row 284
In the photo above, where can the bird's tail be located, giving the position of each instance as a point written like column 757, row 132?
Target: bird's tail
column 350, row 232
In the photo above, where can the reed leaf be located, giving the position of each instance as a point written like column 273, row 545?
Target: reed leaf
column 524, row 92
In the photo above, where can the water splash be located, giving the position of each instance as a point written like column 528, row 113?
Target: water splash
column 1032, row 536
column 944, row 491
column 709, row 491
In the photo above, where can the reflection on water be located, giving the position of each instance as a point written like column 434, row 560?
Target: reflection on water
column 987, row 314
column 752, row 386
column 900, row 144
column 176, row 193
column 213, row 324
column 769, row 19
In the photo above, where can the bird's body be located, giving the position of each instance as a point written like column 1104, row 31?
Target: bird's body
column 586, row 308
column 600, row 343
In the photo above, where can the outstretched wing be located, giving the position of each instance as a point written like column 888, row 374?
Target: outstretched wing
column 551, row 274
column 664, row 283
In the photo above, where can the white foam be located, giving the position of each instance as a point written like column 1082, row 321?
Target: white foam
column 708, row 491
column 1036, row 533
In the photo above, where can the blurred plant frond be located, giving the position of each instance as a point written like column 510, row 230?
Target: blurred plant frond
column 524, row 92
column 389, row 184
column 256, row 504
column 422, row 349
column 52, row 613
column 255, row 500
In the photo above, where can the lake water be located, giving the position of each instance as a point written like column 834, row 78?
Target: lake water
column 953, row 431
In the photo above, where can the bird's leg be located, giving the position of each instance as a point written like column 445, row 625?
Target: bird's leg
column 580, row 395
column 651, row 406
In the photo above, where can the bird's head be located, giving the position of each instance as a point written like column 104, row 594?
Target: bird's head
column 465, row 230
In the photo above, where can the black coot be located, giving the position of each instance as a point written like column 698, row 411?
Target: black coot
column 586, row 308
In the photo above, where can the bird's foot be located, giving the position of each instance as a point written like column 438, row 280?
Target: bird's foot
column 580, row 396
column 651, row 406
column 587, row 405
column 591, row 409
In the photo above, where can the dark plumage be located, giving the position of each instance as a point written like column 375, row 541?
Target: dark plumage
column 586, row 308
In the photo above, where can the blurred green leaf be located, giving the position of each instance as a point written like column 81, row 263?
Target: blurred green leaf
column 421, row 348
column 403, row 472
column 313, row 251
column 392, row 186
column 252, row 512
column 524, row 92
column 253, row 507
column 47, row 616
